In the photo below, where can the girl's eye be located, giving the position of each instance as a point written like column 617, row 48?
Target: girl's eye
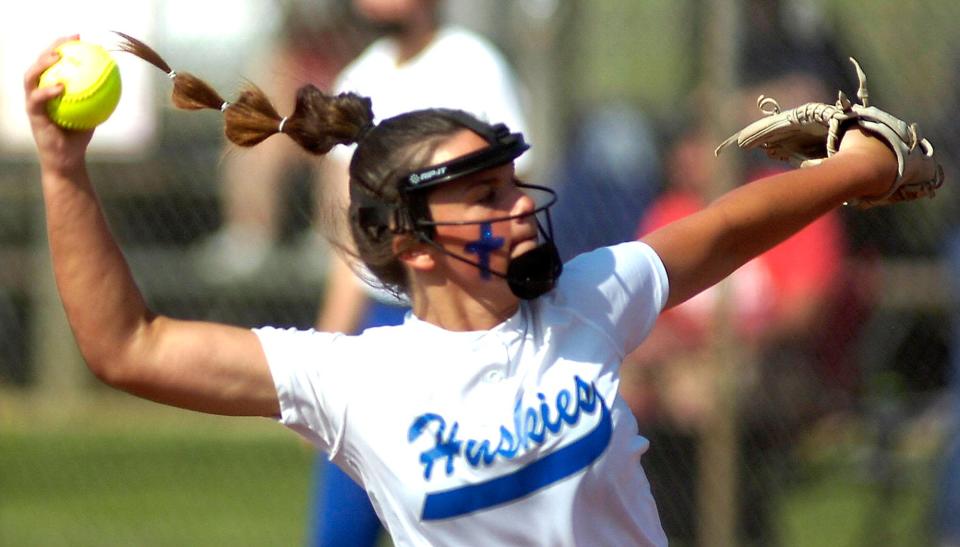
column 489, row 196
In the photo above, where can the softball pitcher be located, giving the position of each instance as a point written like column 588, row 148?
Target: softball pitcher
column 491, row 415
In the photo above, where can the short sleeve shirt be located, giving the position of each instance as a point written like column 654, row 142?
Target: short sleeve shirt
column 509, row 436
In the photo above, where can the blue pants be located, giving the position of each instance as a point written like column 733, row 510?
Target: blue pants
column 947, row 518
column 342, row 515
column 948, row 495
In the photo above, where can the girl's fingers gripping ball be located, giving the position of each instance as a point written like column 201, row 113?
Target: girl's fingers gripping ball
column 91, row 82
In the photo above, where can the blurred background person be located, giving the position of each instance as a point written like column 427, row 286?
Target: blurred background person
column 315, row 40
column 947, row 504
column 778, row 303
column 419, row 61
column 791, row 312
column 946, row 514
column 611, row 165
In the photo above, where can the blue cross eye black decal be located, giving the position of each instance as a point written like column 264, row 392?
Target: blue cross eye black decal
column 483, row 247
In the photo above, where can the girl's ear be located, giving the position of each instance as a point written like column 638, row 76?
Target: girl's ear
column 413, row 254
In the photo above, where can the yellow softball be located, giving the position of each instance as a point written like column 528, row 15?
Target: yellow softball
column 91, row 82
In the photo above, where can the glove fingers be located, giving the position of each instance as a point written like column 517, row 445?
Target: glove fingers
column 805, row 135
column 781, row 127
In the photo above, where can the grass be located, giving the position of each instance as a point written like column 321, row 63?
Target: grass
column 180, row 479
column 116, row 471
column 837, row 505
column 847, row 493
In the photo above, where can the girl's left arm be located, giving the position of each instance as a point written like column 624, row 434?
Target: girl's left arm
column 700, row 250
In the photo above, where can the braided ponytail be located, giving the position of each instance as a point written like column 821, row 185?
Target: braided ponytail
column 189, row 92
column 318, row 123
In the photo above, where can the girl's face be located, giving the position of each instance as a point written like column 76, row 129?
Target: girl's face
column 475, row 198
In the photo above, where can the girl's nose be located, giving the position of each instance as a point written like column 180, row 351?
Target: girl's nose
column 524, row 204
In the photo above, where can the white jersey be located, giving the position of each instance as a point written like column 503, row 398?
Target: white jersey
column 458, row 69
column 512, row 436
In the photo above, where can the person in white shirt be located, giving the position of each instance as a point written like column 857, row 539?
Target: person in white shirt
column 314, row 42
column 418, row 63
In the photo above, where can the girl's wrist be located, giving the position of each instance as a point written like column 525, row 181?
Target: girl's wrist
column 873, row 164
column 63, row 170
column 62, row 164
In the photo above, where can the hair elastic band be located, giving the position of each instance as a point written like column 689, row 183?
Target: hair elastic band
column 224, row 106
column 172, row 74
column 364, row 131
column 282, row 123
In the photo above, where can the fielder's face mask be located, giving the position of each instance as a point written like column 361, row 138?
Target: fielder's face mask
column 529, row 275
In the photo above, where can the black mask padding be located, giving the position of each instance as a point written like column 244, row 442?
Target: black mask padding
column 378, row 218
column 535, row 272
column 373, row 220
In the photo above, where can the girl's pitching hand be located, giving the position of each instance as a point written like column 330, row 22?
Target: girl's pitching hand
column 60, row 150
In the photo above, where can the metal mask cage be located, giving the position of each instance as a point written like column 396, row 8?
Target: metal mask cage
column 540, row 267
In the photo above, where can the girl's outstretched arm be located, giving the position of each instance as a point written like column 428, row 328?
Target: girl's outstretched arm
column 201, row 366
column 702, row 249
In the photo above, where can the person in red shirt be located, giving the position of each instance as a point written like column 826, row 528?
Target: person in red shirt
column 776, row 302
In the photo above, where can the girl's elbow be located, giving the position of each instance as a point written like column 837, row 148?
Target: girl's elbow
column 111, row 366
column 109, row 370
column 115, row 361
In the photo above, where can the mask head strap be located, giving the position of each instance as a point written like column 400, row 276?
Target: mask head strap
column 504, row 148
